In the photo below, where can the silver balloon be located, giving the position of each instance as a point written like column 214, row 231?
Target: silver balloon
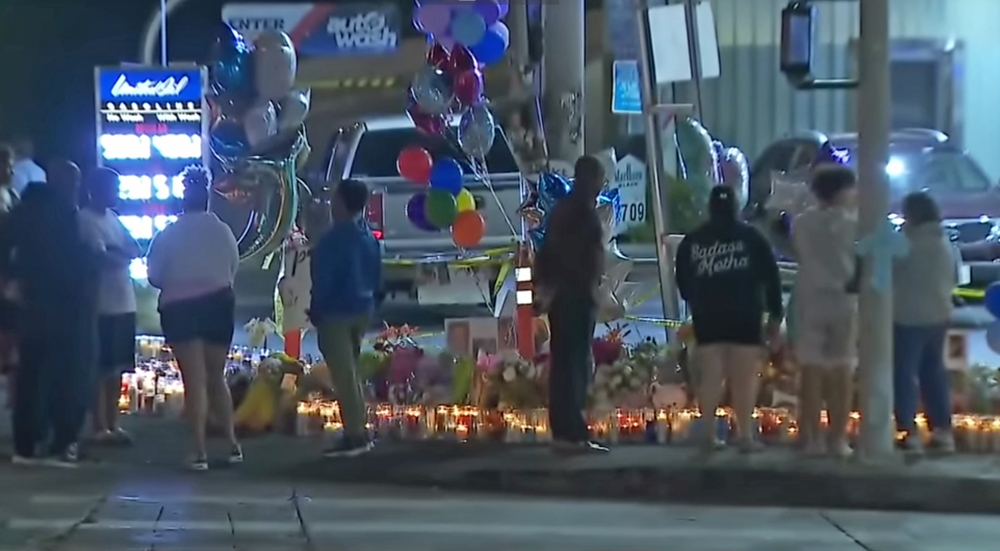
column 431, row 89
column 476, row 131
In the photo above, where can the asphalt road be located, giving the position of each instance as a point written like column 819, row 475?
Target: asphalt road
column 201, row 513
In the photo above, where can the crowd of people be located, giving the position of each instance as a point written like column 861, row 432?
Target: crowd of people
column 728, row 275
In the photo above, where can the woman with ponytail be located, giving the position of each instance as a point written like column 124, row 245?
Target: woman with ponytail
column 193, row 262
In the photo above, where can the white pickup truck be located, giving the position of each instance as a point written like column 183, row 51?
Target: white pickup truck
column 416, row 261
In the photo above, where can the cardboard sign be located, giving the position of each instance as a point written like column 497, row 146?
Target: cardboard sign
column 956, row 350
column 466, row 337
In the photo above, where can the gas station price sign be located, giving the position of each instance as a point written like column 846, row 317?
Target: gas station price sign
column 152, row 122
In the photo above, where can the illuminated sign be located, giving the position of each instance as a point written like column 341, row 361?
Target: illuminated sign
column 152, row 122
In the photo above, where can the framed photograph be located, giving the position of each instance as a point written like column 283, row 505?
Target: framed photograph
column 458, row 337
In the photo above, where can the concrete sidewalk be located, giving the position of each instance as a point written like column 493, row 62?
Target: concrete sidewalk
column 775, row 477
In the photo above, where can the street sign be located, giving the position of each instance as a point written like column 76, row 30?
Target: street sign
column 625, row 99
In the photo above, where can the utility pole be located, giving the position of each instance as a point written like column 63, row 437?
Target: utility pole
column 874, row 106
column 562, row 77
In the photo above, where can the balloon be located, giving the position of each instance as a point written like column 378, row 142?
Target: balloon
column 438, row 56
column 416, row 211
column 447, row 175
column 993, row 336
column 468, row 87
column 488, row 9
column 476, row 131
column 274, row 64
column 292, row 110
column 532, row 217
column 228, row 106
column 468, row 229
column 260, row 123
column 231, row 68
column 493, row 44
column 992, row 299
column 465, row 201
column 431, row 89
column 467, row 27
column 440, row 208
column 461, row 60
column 551, row 188
column 432, row 125
column 433, row 19
column 735, row 173
column 504, row 8
column 414, row 163
column 228, row 139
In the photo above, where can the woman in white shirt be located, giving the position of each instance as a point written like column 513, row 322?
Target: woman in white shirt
column 115, row 301
column 193, row 262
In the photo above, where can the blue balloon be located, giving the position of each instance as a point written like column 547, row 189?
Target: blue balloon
column 228, row 140
column 490, row 48
column 992, row 299
column 231, row 63
column 468, row 27
column 551, row 188
column 993, row 336
column 447, row 175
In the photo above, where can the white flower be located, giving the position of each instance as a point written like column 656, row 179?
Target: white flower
column 616, row 381
column 509, row 374
column 530, row 371
column 601, row 398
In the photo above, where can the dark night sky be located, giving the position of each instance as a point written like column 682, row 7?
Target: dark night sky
column 48, row 49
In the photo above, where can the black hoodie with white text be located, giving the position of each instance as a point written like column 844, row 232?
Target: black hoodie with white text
column 728, row 275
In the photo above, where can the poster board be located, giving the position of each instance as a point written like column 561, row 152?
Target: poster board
column 466, row 337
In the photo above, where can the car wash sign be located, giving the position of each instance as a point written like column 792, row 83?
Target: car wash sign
column 322, row 30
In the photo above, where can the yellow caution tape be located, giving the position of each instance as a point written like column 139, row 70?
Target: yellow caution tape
column 495, row 256
column 975, row 294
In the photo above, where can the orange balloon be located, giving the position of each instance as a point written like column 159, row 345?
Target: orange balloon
column 468, row 229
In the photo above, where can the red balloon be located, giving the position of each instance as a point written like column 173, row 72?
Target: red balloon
column 461, row 60
column 468, row 87
column 414, row 163
column 438, row 57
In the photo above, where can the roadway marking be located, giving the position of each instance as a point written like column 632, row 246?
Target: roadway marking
column 792, row 534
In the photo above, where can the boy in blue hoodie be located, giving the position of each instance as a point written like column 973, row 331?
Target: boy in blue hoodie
column 346, row 269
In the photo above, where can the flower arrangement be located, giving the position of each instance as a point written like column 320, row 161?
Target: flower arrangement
column 516, row 383
column 623, row 374
column 391, row 364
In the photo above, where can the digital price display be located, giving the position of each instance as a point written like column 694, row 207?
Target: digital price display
column 152, row 122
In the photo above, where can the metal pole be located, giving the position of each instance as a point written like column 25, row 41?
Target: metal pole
column 562, row 74
column 664, row 257
column 694, row 52
column 875, row 368
column 163, row 33
column 147, row 49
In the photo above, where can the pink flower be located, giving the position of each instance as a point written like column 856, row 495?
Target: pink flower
column 487, row 362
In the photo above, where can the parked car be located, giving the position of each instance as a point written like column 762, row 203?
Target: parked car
column 919, row 159
column 367, row 151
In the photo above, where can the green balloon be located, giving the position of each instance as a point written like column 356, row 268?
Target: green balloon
column 440, row 208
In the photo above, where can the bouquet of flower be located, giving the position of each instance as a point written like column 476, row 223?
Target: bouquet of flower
column 518, row 383
column 623, row 378
column 391, row 363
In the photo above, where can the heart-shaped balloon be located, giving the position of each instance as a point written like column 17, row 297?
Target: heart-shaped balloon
column 468, row 87
column 438, row 57
column 461, row 60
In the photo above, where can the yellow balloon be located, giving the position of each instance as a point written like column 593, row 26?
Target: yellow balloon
column 465, row 201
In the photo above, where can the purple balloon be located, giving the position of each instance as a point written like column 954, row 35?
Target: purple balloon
column 415, row 211
column 504, row 7
column 433, row 18
column 488, row 9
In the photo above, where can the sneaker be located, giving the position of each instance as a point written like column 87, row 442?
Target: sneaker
column 911, row 443
column 68, row 459
column 841, row 449
column 121, row 437
column 942, row 441
column 236, row 455
column 569, row 447
column 23, row 460
column 198, row 463
column 348, row 447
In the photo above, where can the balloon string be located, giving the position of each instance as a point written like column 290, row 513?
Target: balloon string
column 485, row 177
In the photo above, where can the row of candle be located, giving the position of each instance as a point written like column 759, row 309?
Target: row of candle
column 976, row 434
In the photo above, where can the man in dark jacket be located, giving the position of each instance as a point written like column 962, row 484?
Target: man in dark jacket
column 727, row 273
column 568, row 271
column 56, row 272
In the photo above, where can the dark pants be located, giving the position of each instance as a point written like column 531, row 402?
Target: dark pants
column 918, row 362
column 571, row 322
column 52, row 389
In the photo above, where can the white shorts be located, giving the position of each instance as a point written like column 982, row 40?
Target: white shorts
column 827, row 341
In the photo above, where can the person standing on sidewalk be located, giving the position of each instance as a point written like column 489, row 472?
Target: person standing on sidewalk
column 827, row 308
column 115, row 303
column 923, row 282
column 568, row 271
column 193, row 262
column 56, row 269
column 728, row 275
column 26, row 170
column 346, row 270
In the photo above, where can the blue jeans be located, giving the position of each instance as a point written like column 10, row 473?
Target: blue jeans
column 918, row 361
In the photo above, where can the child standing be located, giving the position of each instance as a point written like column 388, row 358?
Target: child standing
column 826, row 308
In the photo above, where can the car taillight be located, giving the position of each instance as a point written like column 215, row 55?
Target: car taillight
column 373, row 212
